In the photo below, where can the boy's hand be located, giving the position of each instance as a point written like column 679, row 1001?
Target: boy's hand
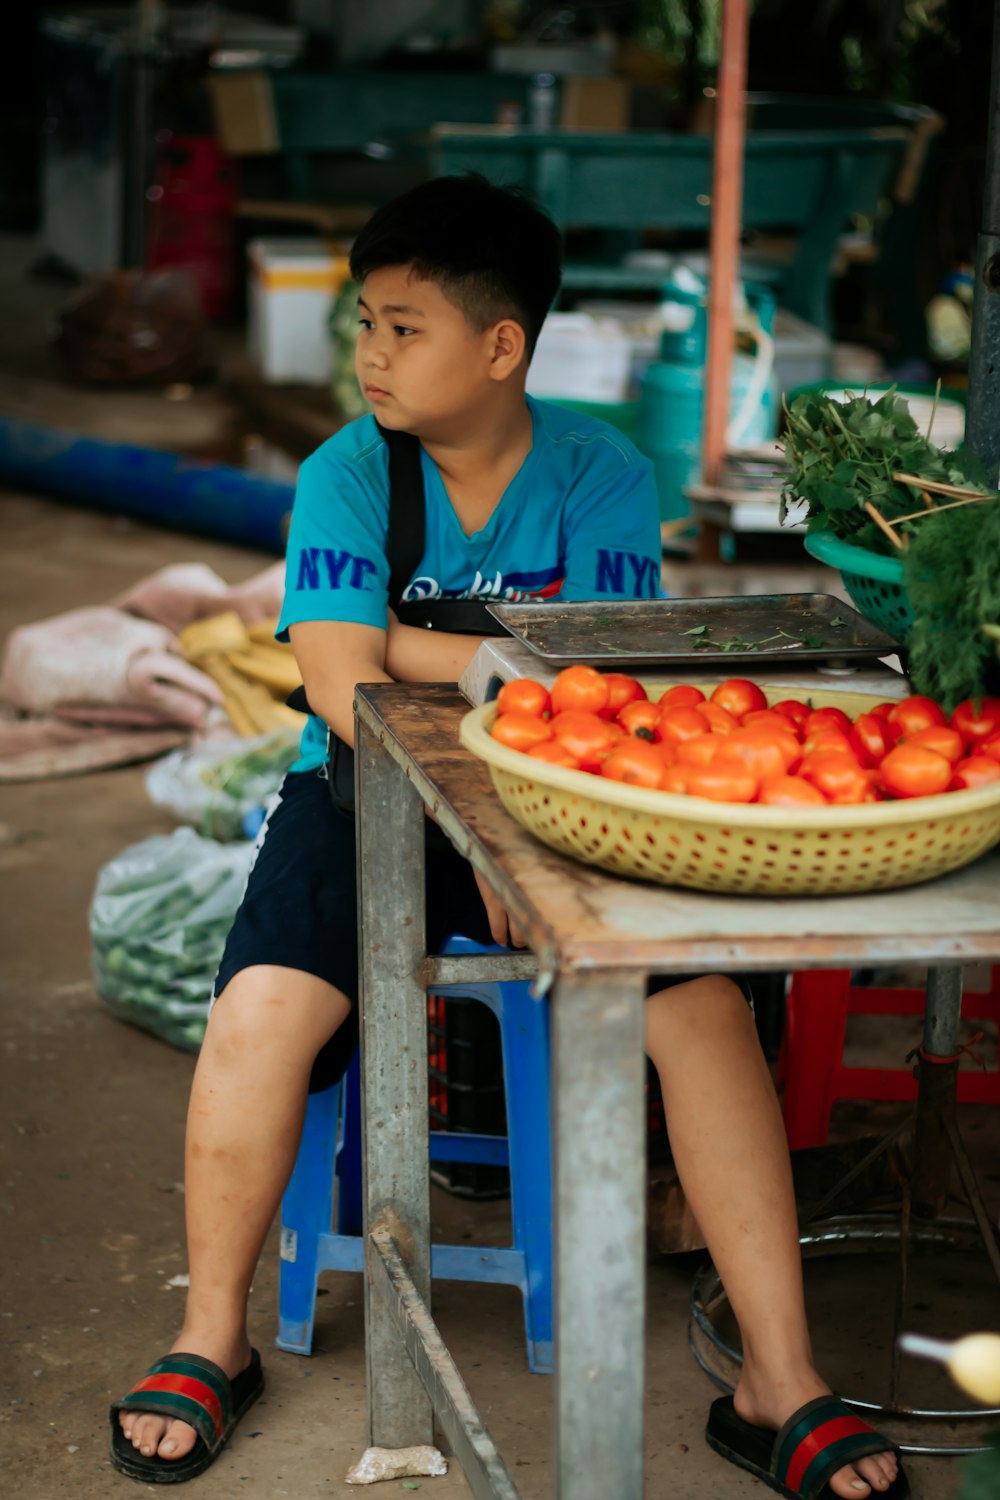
column 504, row 931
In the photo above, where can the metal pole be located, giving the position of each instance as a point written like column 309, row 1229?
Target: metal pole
column 394, row 1104
column 598, row 1068
column 982, row 432
column 724, row 245
column 937, row 1087
column 150, row 18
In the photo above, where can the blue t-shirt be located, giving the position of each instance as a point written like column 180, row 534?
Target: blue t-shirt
column 579, row 520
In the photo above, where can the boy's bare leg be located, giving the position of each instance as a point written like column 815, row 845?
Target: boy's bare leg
column 730, row 1151
column 244, row 1124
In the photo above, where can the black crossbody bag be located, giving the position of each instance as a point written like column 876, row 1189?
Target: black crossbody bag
column 404, row 549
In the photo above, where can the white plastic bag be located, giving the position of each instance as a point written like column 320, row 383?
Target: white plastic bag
column 158, row 924
column 218, row 785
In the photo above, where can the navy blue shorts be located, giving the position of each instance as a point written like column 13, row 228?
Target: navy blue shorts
column 299, row 909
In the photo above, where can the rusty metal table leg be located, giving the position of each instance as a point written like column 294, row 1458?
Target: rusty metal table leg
column 394, row 1075
column 599, row 1073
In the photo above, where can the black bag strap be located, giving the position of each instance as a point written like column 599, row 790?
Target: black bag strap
column 407, row 510
column 405, row 547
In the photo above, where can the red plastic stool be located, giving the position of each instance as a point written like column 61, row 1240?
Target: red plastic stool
column 811, row 1064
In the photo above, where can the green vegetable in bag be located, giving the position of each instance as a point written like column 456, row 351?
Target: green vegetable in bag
column 159, row 919
column 213, row 786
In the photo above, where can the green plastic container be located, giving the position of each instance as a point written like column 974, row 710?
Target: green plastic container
column 621, row 414
column 874, row 583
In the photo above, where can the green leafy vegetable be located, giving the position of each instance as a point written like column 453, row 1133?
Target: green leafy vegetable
column 842, row 456
column 953, row 582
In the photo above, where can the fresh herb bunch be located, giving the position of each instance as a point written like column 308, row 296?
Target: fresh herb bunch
column 952, row 579
column 843, row 455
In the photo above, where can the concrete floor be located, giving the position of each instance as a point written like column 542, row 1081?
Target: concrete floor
column 93, row 1115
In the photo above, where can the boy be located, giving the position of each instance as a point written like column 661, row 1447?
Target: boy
column 521, row 499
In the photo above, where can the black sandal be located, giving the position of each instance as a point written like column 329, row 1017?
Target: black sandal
column 817, row 1440
column 190, row 1389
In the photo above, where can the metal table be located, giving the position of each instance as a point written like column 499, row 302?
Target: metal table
column 594, row 938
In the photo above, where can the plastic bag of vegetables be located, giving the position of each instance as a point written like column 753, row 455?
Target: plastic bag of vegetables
column 215, row 786
column 158, row 923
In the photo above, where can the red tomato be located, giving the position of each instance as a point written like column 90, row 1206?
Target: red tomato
column 977, row 720
column 771, row 718
column 622, row 689
column 519, row 731
column 641, row 718
column 790, row 791
column 915, row 713
column 524, row 696
column 990, row 747
column 718, row 719
column 700, row 751
column 555, row 753
column 638, row 764
column 882, row 710
column 975, row 770
column 942, row 738
column 828, row 739
column 681, row 695
column 794, row 710
column 675, row 779
column 723, row 781
column 871, row 738
column 825, row 718
column 838, row 776
column 681, row 724
column 579, row 689
column 763, row 751
column 914, row 771
column 738, row 697
column 586, row 736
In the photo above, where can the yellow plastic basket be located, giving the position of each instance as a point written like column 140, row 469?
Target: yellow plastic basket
column 739, row 848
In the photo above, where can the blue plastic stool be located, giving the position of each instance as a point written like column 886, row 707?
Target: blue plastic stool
column 327, row 1176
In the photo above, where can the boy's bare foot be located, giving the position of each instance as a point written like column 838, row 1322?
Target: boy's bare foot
column 154, row 1435
column 770, row 1403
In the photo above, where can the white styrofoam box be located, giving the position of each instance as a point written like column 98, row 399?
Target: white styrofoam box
column 803, row 354
column 641, row 323
column 292, row 285
column 580, row 358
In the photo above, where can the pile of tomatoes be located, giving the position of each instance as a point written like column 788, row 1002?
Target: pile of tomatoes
column 731, row 746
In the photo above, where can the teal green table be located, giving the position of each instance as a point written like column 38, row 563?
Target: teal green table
column 810, row 182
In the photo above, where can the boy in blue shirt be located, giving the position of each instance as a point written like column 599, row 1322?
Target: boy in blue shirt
column 522, row 500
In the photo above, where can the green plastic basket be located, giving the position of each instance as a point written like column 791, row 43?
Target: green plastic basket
column 874, row 583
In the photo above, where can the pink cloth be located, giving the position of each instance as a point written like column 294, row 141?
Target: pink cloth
column 37, row 748
column 101, row 665
column 182, row 592
column 108, row 686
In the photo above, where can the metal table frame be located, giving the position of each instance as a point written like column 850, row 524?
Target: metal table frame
column 598, row 937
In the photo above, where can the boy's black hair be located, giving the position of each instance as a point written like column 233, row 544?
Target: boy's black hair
column 493, row 252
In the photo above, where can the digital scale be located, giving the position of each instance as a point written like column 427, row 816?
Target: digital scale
column 796, row 642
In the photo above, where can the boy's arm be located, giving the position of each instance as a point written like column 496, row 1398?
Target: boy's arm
column 416, row 655
column 333, row 657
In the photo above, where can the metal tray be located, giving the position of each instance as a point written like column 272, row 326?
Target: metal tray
column 748, row 627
